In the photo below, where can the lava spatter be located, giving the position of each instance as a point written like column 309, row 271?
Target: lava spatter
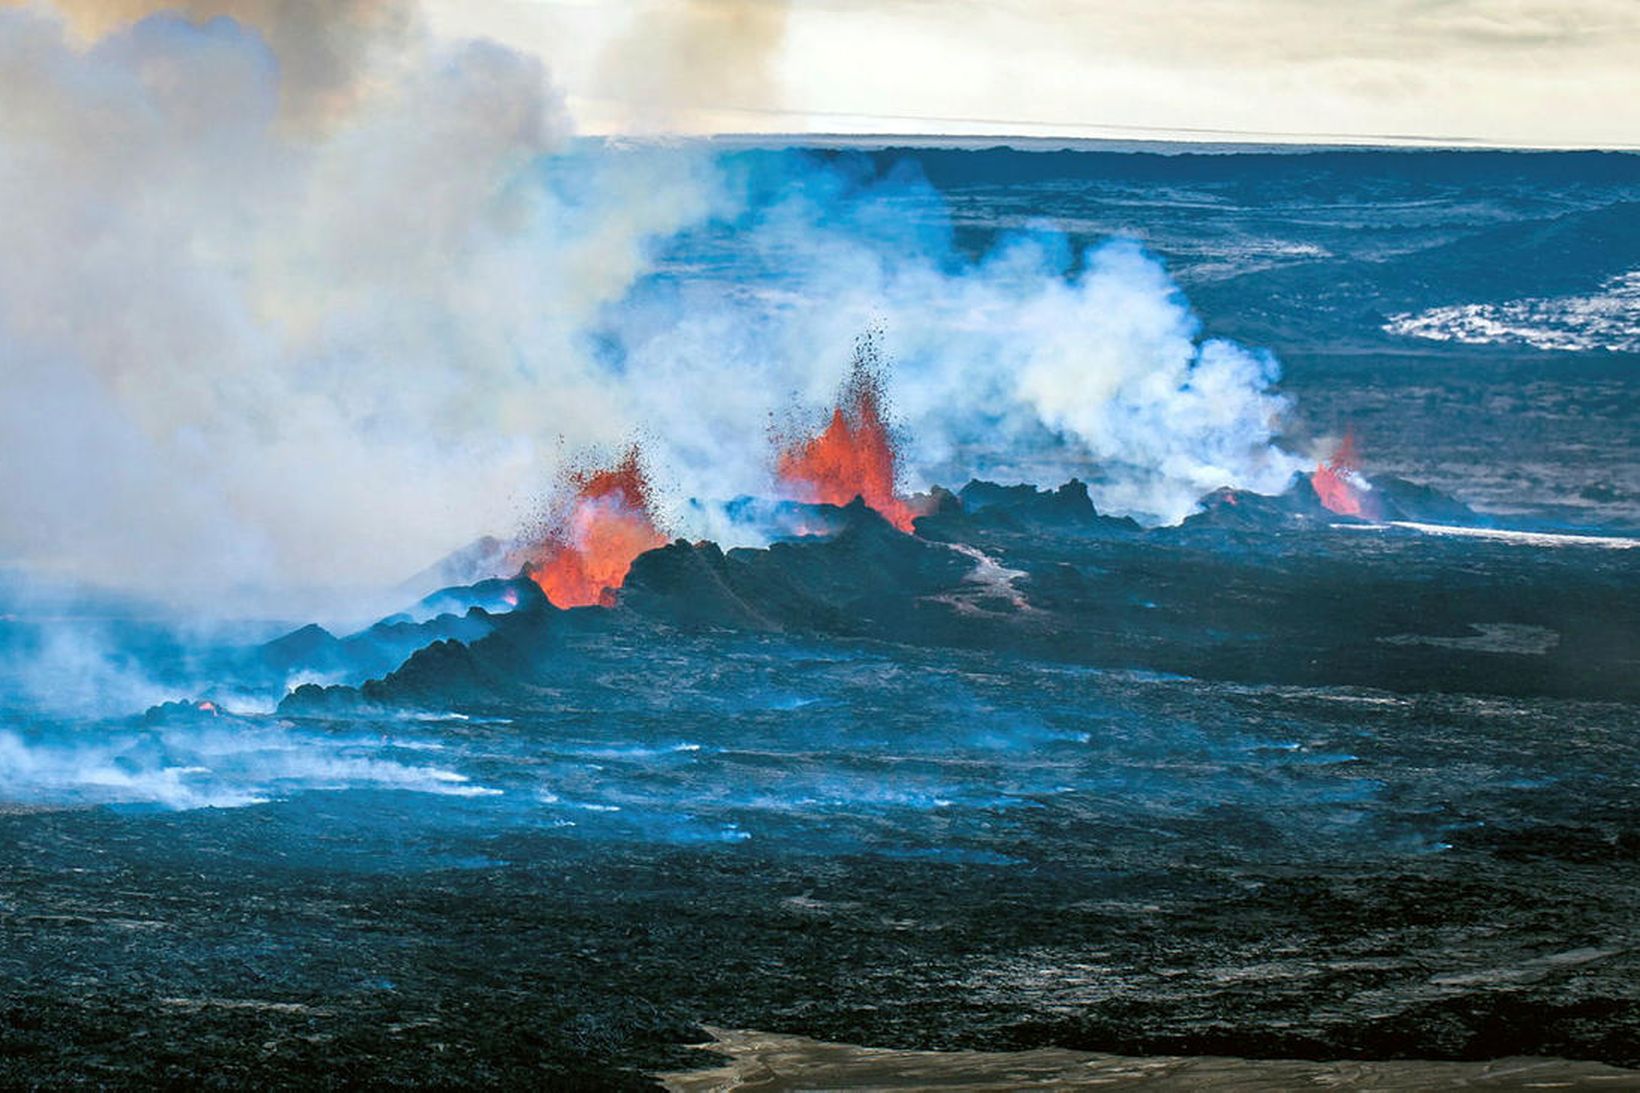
column 855, row 454
column 1338, row 482
column 594, row 534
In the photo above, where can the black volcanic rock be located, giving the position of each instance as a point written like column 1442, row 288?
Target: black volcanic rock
column 856, row 581
column 311, row 647
column 314, row 700
column 979, row 495
column 1296, row 507
column 183, row 712
column 495, row 595
column 371, row 651
column 520, row 649
column 439, row 675
column 1403, row 500
column 868, row 558
column 1024, row 507
column 1254, row 587
column 386, row 644
column 466, row 614
column 690, row 584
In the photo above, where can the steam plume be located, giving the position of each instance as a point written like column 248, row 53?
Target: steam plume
column 303, row 295
column 235, row 352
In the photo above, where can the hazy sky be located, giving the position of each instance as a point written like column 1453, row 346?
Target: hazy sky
column 1549, row 72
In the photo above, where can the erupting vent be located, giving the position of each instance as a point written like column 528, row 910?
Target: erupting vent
column 595, row 534
column 854, row 456
column 1337, row 482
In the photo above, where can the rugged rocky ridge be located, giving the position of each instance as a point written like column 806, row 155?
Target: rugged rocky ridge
column 1256, row 588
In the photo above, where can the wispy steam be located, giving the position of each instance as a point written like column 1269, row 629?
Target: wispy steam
column 207, row 765
column 72, row 670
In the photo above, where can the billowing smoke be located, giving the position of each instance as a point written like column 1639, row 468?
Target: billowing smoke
column 241, row 352
column 304, row 296
column 1033, row 362
column 324, row 48
column 681, row 62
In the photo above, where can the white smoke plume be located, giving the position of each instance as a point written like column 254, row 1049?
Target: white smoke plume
column 1032, row 363
column 236, row 351
column 301, row 295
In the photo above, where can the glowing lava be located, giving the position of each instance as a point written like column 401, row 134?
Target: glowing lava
column 591, row 542
column 1337, row 482
column 853, row 457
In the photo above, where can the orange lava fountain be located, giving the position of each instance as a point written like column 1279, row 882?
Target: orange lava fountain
column 591, row 543
column 853, row 457
column 1331, row 479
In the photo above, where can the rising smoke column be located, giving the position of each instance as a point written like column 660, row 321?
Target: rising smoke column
column 298, row 298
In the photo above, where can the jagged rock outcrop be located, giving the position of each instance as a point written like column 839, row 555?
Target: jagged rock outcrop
column 1065, row 510
column 1295, row 508
column 857, row 581
column 463, row 614
column 1253, row 587
column 1403, row 500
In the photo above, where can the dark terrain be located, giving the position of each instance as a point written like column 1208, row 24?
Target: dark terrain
column 1271, row 783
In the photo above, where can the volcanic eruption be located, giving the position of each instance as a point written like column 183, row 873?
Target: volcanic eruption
column 854, row 456
column 593, row 535
column 1338, row 483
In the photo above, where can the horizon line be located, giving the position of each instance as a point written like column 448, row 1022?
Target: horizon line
column 1014, row 129
column 1294, row 142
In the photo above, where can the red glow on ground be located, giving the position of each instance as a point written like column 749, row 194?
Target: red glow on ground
column 1331, row 480
column 853, row 457
column 591, row 542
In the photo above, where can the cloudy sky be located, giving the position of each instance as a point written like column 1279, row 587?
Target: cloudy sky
column 1530, row 72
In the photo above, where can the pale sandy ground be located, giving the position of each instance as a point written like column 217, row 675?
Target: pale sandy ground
column 768, row 1061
